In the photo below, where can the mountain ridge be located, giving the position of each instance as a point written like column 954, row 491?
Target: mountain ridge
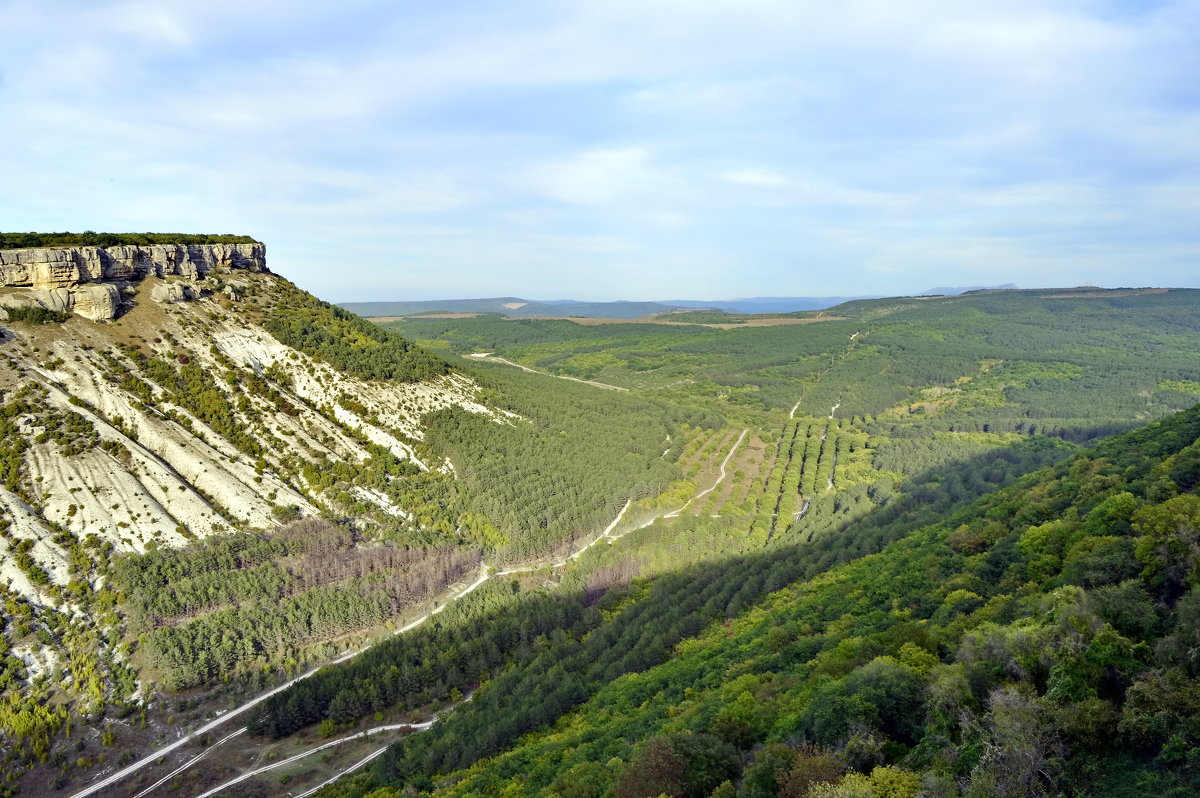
column 515, row 307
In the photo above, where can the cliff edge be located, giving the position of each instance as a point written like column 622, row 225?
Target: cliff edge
column 90, row 281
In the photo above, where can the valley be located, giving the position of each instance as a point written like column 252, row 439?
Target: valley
column 252, row 541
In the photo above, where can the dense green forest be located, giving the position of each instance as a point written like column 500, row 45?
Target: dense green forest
column 232, row 606
column 89, row 238
column 559, row 469
column 1072, row 363
column 1038, row 642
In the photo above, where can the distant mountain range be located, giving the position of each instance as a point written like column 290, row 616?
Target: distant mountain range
column 516, row 307
column 767, row 304
column 527, row 308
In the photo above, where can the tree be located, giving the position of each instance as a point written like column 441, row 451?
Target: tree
column 1022, row 754
column 1169, row 543
column 682, row 765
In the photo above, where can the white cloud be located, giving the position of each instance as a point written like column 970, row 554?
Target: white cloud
column 760, row 178
column 597, row 177
column 152, row 23
column 619, row 138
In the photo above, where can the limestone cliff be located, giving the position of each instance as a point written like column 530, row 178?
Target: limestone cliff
column 56, row 268
column 88, row 280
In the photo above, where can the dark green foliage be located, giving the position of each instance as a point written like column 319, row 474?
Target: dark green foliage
column 469, row 641
column 228, row 640
column 345, row 341
column 35, row 314
column 559, row 470
column 1027, row 689
column 92, row 239
column 228, row 604
column 884, row 695
column 686, row 765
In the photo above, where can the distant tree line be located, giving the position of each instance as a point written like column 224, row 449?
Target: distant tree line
column 90, row 238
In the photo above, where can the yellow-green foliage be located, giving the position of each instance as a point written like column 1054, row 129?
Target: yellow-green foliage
column 1183, row 386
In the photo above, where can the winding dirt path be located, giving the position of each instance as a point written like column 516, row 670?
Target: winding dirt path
column 720, row 477
column 364, row 761
column 485, row 573
column 322, row 747
column 493, row 359
column 821, row 376
column 189, row 763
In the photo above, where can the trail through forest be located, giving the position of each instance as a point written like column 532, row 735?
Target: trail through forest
column 490, row 357
column 720, row 478
column 485, row 574
column 820, row 376
column 190, row 762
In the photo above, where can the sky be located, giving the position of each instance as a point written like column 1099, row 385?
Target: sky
column 619, row 149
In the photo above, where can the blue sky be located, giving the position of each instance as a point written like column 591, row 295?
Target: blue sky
column 613, row 149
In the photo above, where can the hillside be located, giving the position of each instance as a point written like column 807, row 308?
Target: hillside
column 224, row 479
column 220, row 495
column 1038, row 642
column 517, row 308
column 1071, row 362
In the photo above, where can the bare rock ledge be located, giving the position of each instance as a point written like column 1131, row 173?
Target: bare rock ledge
column 88, row 280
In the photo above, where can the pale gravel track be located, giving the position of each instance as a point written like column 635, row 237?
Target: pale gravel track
column 365, row 760
column 304, row 754
column 489, row 356
column 720, row 477
column 189, row 763
column 485, row 574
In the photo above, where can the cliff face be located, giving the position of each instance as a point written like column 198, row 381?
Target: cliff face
column 81, row 279
column 57, row 268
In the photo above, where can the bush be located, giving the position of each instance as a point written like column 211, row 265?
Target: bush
column 36, row 314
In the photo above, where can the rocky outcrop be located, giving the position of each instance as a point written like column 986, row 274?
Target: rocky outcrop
column 54, row 268
column 172, row 292
column 81, row 279
column 94, row 301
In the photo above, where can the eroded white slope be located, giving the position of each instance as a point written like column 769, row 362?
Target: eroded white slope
column 154, row 473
